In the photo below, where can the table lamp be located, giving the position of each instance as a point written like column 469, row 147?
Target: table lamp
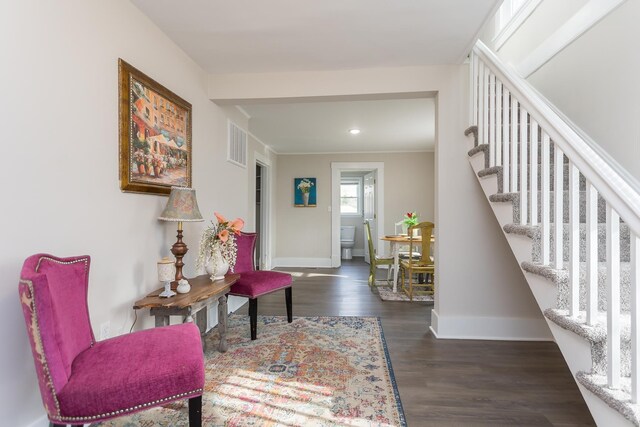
column 182, row 206
column 166, row 273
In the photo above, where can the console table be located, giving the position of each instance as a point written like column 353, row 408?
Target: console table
column 193, row 305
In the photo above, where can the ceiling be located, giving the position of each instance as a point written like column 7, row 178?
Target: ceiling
column 390, row 125
column 252, row 36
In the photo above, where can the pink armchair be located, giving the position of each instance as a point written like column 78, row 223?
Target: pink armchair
column 83, row 381
column 254, row 283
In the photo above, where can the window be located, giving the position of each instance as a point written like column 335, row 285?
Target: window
column 351, row 196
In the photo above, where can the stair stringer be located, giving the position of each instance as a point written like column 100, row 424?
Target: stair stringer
column 575, row 350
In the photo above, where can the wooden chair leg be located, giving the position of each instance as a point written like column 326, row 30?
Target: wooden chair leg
column 253, row 317
column 411, row 286
column 195, row 411
column 289, row 300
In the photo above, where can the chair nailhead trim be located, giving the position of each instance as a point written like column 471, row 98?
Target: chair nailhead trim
column 45, row 366
column 133, row 408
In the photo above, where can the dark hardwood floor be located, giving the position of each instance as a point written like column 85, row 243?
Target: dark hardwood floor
column 444, row 382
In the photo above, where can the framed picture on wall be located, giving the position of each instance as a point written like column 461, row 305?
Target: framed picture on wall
column 304, row 190
column 155, row 135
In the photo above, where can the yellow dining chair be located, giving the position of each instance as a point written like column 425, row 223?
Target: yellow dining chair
column 422, row 264
column 374, row 260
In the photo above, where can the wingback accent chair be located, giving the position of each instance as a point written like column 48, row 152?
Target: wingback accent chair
column 254, row 283
column 83, row 381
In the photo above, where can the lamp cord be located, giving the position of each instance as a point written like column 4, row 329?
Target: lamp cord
column 135, row 312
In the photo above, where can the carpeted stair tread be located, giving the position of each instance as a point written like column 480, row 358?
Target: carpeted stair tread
column 596, row 335
column 494, row 170
column 515, row 199
column 472, row 130
column 560, row 277
column 482, row 148
column 535, row 234
column 618, row 399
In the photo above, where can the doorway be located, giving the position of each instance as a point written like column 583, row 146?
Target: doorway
column 375, row 197
column 262, row 203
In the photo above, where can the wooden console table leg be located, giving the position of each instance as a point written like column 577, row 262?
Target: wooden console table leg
column 222, row 323
column 201, row 321
column 162, row 321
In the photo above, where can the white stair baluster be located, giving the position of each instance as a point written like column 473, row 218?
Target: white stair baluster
column 574, row 241
column 545, row 235
column 523, row 165
column 592, row 254
column 635, row 319
column 613, row 297
column 505, row 138
column 485, row 107
column 514, row 145
column 474, row 88
column 481, row 100
column 558, row 220
column 492, row 120
column 498, row 122
column 533, row 173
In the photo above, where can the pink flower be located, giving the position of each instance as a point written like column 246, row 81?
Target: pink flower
column 220, row 218
column 236, row 225
column 223, row 236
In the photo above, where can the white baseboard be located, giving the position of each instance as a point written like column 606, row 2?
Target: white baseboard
column 358, row 252
column 302, row 262
column 489, row 328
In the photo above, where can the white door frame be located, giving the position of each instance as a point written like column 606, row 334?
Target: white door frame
column 336, row 169
column 265, row 211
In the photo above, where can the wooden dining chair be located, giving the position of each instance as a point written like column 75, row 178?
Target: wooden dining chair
column 376, row 261
column 423, row 264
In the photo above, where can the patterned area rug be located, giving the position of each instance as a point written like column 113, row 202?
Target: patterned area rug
column 386, row 293
column 316, row 371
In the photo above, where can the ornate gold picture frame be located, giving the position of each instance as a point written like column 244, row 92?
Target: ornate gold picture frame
column 155, row 134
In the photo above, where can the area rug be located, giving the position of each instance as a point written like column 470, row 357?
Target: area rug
column 316, row 371
column 385, row 291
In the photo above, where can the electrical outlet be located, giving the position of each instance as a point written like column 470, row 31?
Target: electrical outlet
column 105, row 330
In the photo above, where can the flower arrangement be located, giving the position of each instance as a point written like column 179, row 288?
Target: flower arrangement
column 219, row 237
column 410, row 219
column 305, row 185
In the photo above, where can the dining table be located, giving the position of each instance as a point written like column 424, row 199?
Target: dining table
column 396, row 241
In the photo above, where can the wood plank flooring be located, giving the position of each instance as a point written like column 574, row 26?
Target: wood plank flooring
column 444, row 382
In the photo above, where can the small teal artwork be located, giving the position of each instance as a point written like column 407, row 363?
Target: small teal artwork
column 304, row 190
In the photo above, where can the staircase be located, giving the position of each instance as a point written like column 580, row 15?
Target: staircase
column 572, row 221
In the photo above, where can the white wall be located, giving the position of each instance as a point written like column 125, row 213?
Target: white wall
column 59, row 104
column 409, row 180
column 481, row 290
column 594, row 80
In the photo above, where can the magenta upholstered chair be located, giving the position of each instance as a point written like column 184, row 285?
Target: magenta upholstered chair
column 83, row 381
column 254, row 283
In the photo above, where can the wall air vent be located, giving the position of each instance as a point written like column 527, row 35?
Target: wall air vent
column 237, row 148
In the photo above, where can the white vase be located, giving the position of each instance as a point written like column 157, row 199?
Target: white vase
column 216, row 265
column 305, row 199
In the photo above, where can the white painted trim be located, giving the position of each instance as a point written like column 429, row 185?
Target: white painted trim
column 266, row 224
column 588, row 16
column 357, row 152
column 243, row 111
column 264, row 144
column 302, row 262
column 336, row 169
column 515, row 23
column 490, row 328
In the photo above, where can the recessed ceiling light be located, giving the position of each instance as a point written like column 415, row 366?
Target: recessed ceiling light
column 354, row 131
